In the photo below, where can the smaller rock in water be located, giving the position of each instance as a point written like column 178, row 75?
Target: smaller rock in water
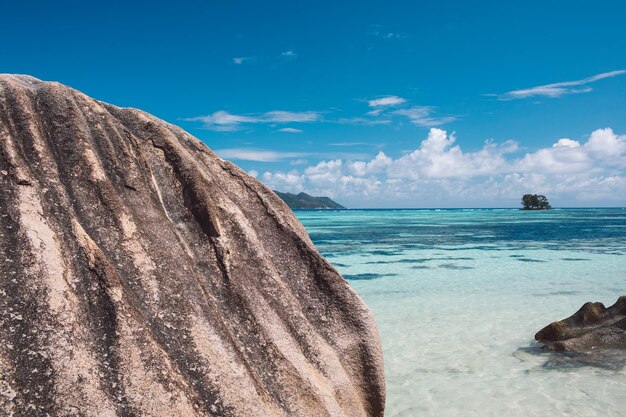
column 592, row 336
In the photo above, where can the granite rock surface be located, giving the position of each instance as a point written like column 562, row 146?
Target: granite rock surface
column 142, row 275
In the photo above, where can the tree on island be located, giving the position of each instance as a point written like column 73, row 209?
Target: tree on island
column 535, row 202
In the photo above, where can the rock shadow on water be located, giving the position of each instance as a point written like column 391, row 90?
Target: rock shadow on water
column 607, row 359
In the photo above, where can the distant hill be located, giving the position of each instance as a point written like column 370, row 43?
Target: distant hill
column 305, row 201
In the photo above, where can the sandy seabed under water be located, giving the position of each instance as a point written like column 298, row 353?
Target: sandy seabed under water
column 459, row 294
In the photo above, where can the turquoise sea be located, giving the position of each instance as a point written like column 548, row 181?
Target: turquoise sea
column 458, row 295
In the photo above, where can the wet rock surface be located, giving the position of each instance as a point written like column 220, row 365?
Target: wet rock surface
column 140, row 274
column 593, row 336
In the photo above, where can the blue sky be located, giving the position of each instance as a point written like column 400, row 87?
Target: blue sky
column 377, row 104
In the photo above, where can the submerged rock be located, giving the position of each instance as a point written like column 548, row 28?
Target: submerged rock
column 140, row 274
column 592, row 327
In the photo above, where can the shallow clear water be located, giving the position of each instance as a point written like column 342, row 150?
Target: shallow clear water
column 457, row 293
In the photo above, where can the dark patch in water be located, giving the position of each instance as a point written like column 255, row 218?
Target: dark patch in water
column 424, row 260
column 418, row 261
column 575, row 259
column 610, row 359
column 384, row 252
column 516, row 256
column 420, row 267
column 454, row 266
column 339, row 264
column 415, row 261
column 366, row 276
column 478, row 247
column 530, row 260
column 557, row 293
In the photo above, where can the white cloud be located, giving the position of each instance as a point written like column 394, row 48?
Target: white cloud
column 440, row 173
column 375, row 112
column 362, row 121
column 424, row 116
column 280, row 116
column 242, row 59
column 384, row 111
column 566, row 143
column 288, row 55
column 378, row 32
column 393, row 35
column 386, row 101
column 298, row 162
column 603, row 143
column 558, row 89
column 602, row 152
column 280, row 181
column 375, row 166
column 438, row 157
column 224, row 121
column 247, row 154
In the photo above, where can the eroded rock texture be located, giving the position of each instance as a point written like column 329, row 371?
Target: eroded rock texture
column 594, row 326
column 140, row 274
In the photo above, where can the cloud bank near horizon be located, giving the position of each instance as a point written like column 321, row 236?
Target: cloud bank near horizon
column 440, row 173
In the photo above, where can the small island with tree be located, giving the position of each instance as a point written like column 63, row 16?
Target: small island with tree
column 535, row 202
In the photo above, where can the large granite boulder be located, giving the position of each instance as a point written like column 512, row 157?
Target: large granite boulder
column 594, row 326
column 142, row 275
